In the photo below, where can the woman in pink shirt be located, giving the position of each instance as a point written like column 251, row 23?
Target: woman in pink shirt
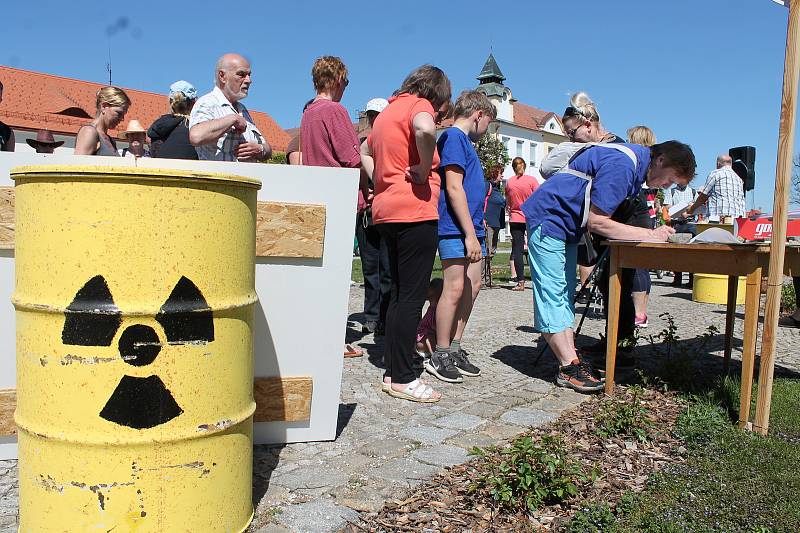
column 518, row 188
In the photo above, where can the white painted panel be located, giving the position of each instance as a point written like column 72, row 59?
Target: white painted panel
column 301, row 316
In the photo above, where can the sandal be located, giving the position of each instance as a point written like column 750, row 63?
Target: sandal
column 416, row 391
column 520, row 286
column 386, row 385
column 352, row 351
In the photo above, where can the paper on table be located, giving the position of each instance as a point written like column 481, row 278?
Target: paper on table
column 717, row 235
column 678, row 209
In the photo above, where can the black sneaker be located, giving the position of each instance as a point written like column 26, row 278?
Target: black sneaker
column 442, row 365
column 578, row 376
column 463, row 365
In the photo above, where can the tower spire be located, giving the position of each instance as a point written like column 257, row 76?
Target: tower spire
column 490, row 73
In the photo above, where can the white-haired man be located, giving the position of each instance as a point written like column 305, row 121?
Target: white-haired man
column 724, row 193
column 220, row 127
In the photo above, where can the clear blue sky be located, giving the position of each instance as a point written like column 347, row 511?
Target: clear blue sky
column 707, row 72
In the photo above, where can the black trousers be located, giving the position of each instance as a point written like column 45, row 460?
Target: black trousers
column 627, row 312
column 518, row 249
column 375, row 266
column 796, row 283
column 684, row 227
column 412, row 250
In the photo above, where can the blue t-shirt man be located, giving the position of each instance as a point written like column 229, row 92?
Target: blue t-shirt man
column 456, row 149
column 557, row 205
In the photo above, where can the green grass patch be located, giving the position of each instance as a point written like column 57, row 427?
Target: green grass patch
column 731, row 481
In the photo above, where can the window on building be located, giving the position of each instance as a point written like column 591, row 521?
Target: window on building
column 519, row 148
column 533, row 155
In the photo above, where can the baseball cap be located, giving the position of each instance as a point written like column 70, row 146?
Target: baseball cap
column 377, row 104
column 184, row 87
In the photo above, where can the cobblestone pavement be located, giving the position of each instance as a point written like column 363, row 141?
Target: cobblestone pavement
column 386, row 446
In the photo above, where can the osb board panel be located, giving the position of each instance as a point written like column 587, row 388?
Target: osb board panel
column 7, row 217
column 290, row 230
column 282, row 399
column 282, row 230
column 8, row 402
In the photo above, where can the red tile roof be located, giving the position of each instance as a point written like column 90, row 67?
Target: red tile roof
column 32, row 101
column 525, row 116
column 531, row 117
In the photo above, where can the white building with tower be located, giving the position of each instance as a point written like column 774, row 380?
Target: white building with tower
column 527, row 131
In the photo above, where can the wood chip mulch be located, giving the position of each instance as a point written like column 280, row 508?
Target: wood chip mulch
column 446, row 504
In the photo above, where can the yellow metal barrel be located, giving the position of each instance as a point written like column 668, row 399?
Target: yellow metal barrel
column 134, row 305
column 713, row 289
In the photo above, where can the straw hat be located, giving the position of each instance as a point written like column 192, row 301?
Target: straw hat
column 133, row 127
column 44, row 137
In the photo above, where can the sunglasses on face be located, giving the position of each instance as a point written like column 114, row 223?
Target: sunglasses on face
column 571, row 133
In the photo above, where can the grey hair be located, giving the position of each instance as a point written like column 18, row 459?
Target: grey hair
column 222, row 64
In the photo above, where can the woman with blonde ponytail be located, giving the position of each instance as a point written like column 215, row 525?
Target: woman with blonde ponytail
column 112, row 103
column 582, row 122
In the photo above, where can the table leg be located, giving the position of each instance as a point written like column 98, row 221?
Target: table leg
column 730, row 319
column 614, row 290
column 751, row 311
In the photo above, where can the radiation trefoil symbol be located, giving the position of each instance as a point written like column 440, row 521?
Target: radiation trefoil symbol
column 92, row 319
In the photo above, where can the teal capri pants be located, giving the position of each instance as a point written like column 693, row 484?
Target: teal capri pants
column 553, row 265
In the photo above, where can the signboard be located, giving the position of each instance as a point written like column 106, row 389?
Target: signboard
column 760, row 229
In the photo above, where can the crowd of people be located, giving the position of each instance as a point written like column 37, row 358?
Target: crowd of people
column 423, row 193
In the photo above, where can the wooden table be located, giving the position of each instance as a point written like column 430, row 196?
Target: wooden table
column 732, row 260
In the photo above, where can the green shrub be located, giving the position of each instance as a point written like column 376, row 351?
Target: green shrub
column 278, row 158
column 626, row 418
column 596, row 518
column 528, row 474
column 788, row 302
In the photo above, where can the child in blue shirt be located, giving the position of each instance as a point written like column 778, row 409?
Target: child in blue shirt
column 461, row 233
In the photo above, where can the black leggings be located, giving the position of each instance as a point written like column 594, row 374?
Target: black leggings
column 518, row 249
column 412, row 250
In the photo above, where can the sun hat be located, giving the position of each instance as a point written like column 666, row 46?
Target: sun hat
column 183, row 87
column 377, row 105
column 133, row 127
column 44, row 137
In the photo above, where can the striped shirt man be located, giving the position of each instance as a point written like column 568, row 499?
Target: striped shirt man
column 725, row 191
column 215, row 105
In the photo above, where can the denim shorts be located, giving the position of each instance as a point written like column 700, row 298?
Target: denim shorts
column 454, row 247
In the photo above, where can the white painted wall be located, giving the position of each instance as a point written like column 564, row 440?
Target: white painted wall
column 526, row 143
column 301, row 316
